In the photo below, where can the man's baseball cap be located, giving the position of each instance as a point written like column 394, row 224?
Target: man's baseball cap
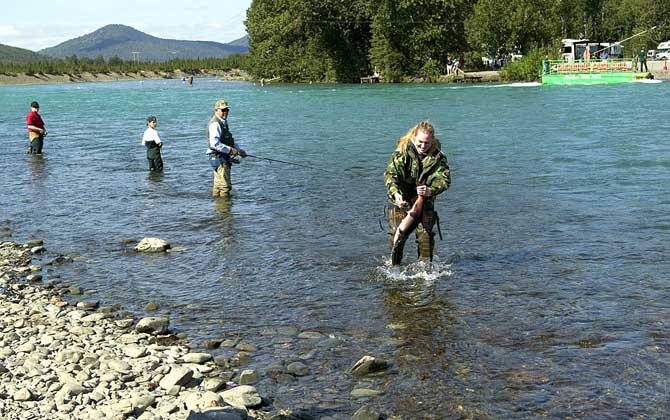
column 221, row 104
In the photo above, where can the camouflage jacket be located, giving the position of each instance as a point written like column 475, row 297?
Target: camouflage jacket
column 406, row 170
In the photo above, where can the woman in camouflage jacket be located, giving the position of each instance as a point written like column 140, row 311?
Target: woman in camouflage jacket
column 417, row 168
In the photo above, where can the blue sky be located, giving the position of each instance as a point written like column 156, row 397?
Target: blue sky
column 37, row 24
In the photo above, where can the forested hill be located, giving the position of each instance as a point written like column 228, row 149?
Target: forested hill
column 122, row 41
column 335, row 40
column 17, row 55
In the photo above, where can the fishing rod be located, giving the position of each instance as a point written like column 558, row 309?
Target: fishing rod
column 624, row 40
column 290, row 163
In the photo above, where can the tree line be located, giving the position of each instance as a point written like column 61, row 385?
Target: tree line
column 342, row 40
column 74, row 65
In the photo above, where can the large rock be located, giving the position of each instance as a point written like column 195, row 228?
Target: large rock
column 178, row 375
column 152, row 245
column 367, row 365
column 243, row 396
column 153, row 325
column 197, row 358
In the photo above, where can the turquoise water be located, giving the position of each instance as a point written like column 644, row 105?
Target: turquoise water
column 549, row 296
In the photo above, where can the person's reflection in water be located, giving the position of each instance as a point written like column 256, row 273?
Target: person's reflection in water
column 36, row 164
column 224, row 219
column 424, row 324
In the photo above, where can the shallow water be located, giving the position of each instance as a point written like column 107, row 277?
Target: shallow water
column 549, row 296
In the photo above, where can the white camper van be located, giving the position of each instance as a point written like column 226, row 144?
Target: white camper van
column 663, row 51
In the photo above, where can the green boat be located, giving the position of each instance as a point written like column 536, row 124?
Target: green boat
column 590, row 72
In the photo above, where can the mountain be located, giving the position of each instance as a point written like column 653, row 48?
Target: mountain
column 241, row 42
column 18, row 55
column 123, row 41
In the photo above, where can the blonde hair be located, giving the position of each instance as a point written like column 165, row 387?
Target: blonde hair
column 424, row 126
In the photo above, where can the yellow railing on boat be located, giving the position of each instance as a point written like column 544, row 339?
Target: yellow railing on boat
column 591, row 66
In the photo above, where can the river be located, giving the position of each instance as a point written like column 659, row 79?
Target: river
column 548, row 296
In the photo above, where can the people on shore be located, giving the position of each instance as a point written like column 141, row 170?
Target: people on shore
column 642, row 55
column 221, row 149
column 36, row 129
column 153, row 143
column 417, row 168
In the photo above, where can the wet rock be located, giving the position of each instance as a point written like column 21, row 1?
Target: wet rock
column 151, row 307
column 37, row 249
column 88, row 305
column 212, row 344
column 152, row 245
column 248, row 377
column 250, row 348
column 74, row 290
column 34, row 278
column 310, row 335
column 297, row 369
column 229, row 343
column 60, row 260
column 34, row 242
column 367, row 365
column 153, row 325
column 222, row 361
column 366, row 413
column 365, row 393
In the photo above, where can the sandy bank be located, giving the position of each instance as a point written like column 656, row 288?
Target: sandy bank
column 16, row 79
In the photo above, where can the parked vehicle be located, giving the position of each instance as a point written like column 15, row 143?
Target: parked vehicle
column 662, row 51
column 573, row 49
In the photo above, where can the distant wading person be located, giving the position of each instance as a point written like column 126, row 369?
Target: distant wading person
column 416, row 174
column 36, row 130
column 152, row 141
column 221, row 149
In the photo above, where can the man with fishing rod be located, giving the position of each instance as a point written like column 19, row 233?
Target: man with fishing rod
column 36, row 129
column 221, row 149
column 417, row 172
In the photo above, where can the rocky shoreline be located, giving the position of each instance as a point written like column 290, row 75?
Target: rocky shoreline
column 16, row 79
column 63, row 360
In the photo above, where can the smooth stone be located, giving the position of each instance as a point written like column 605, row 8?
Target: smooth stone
column 152, row 245
column 367, row 365
column 178, row 375
column 119, row 366
column 153, row 325
column 250, row 348
column 243, row 396
column 297, row 369
column 134, row 351
column 34, row 278
column 197, row 358
column 212, row 344
column 37, row 249
column 363, row 393
column 248, row 377
column 151, row 306
column 23, row 395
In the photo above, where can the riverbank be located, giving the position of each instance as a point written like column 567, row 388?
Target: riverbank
column 62, row 357
column 15, row 79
